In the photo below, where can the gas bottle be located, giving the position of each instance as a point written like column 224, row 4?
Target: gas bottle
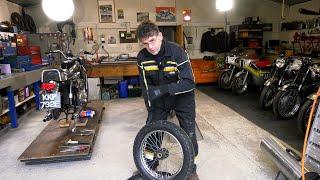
column 88, row 113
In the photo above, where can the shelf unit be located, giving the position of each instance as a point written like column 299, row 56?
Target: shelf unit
column 15, row 82
column 250, row 36
column 18, row 104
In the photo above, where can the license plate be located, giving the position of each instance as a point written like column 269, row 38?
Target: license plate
column 50, row 100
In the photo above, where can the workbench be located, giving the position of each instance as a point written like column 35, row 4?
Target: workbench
column 113, row 69
column 205, row 71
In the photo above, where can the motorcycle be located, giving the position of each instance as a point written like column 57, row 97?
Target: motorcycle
column 291, row 96
column 252, row 73
column 163, row 150
column 304, row 113
column 280, row 76
column 64, row 89
column 227, row 74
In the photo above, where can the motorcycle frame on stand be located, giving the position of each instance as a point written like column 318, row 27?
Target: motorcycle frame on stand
column 68, row 79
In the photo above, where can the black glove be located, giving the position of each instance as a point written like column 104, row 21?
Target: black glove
column 156, row 92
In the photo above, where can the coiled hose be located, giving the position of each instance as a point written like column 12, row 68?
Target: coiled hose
column 24, row 22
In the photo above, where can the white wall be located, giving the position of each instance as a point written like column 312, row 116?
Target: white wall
column 204, row 15
column 6, row 8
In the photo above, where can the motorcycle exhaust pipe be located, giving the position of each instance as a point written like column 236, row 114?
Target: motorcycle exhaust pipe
column 280, row 155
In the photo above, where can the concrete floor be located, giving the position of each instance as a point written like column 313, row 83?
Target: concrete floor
column 230, row 148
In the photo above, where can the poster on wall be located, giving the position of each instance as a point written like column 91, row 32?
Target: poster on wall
column 120, row 14
column 106, row 11
column 142, row 16
column 165, row 14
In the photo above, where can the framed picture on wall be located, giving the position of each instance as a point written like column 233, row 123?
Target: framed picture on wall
column 142, row 16
column 106, row 11
column 165, row 14
column 120, row 14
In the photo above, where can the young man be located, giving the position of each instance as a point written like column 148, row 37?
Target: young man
column 167, row 80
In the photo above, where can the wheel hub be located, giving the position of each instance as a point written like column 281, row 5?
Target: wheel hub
column 162, row 153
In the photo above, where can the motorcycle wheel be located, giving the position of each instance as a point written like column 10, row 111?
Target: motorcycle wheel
column 267, row 95
column 162, row 150
column 224, row 81
column 238, row 85
column 303, row 116
column 286, row 104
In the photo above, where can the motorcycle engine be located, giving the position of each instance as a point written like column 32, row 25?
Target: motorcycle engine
column 82, row 93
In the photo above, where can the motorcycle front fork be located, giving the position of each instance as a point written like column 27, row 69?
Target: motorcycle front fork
column 232, row 71
column 245, row 78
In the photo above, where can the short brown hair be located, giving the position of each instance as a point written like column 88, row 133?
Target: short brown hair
column 147, row 29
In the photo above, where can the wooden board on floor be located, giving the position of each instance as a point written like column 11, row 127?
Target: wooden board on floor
column 47, row 145
column 79, row 123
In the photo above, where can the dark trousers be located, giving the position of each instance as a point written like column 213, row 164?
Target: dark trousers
column 184, row 107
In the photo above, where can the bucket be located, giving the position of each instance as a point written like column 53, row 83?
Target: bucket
column 123, row 89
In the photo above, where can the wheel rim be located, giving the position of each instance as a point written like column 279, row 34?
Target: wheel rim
column 289, row 103
column 306, row 118
column 225, row 82
column 161, row 155
column 307, row 114
column 240, row 85
column 269, row 96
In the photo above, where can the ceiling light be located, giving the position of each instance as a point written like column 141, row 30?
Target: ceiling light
column 224, row 5
column 58, row 10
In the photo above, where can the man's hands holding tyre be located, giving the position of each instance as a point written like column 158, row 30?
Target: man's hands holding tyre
column 156, row 92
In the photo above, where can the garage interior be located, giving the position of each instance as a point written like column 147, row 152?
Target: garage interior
column 252, row 61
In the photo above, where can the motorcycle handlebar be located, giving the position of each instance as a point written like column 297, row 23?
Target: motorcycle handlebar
column 68, row 59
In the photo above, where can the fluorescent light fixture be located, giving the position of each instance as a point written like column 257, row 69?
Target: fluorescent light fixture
column 224, row 5
column 58, row 10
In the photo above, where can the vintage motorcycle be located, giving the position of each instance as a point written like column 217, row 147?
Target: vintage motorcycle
column 64, row 89
column 253, row 72
column 280, row 76
column 228, row 73
column 291, row 96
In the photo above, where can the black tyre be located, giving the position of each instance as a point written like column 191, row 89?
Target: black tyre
column 224, row 81
column 286, row 104
column 303, row 116
column 239, row 84
column 267, row 95
column 160, row 143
